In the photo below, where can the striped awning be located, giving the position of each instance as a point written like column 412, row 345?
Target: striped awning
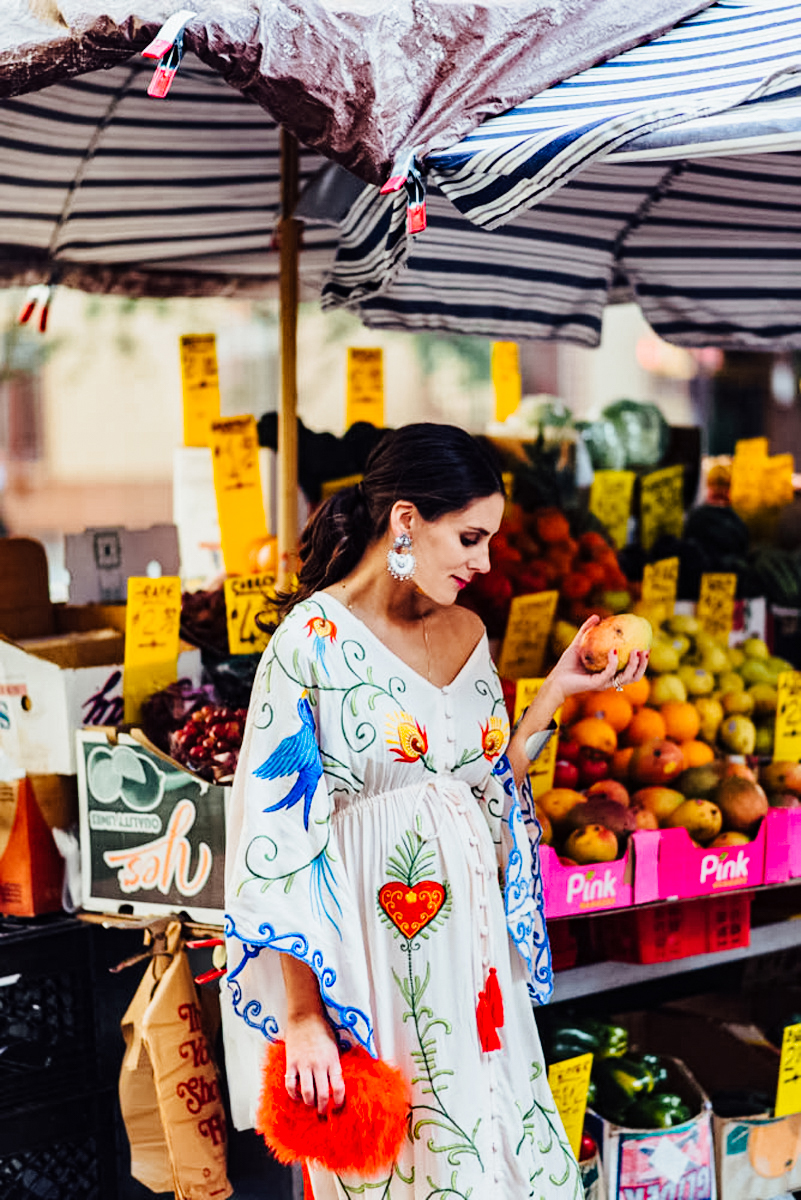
column 106, row 189
column 672, row 171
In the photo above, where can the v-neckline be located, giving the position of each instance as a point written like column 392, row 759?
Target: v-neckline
column 437, row 688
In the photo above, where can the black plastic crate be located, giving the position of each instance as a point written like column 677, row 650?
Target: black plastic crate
column 47, row 1045
column 60, row 1151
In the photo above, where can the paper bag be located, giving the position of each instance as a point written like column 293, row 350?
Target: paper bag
column 169, row 1088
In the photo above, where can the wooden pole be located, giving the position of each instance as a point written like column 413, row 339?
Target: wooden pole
column 289, row 239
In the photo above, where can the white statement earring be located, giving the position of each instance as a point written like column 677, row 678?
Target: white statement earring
column 400, row 560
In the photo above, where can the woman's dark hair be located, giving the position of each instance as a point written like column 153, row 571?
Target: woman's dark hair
column 438, row 468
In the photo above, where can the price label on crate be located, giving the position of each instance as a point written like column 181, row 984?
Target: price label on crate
column 506, row 380
column 788, row 1092
column 716, row 605
column 541, row 771
column 152, row 623
column 661, row 504
column 569, row 1082
column 787, row 744
column 660, row 582
column 527, row 631
column 248, row 597
column 365, row 391
column 201, row 386
column 237, row 486
column 610, row 502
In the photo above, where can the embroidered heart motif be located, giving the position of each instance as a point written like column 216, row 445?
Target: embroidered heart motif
column 410, row 909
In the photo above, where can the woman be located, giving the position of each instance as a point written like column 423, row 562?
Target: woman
column 375, row 812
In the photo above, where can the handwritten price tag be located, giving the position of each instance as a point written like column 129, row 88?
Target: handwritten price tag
column 331, row 486
column 788, row 1092
column 569, row 1082
column 661, row 504
column 716, row 605
column 152, row 623
column 246, row 598
column 610, row 502
column 365, row 392
column 777, row 481
column 505, row 369
column 527, row 630
column 201, row 386
column 787, row 746
column 237, row 486
column 660, row 582
column 541, row 771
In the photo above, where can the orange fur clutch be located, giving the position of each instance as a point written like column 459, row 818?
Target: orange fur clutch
column 365, row 1135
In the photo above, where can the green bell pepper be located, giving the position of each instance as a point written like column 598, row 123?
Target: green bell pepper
column 663, row 1110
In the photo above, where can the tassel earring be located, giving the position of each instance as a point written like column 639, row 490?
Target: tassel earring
column 400, row 560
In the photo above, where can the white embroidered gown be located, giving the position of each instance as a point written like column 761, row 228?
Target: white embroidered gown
column 376, row 833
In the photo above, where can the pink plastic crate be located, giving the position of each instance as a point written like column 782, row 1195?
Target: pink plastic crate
column 564, row 947
column 667, row 932
column 685, row 870
column 576, row 891
column 783, row 845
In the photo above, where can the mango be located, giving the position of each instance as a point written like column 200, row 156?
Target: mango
column 781, row 777
column 729, row 838
column 660, row 801
column 700, row 782
column 624, row 633
column 644, row 818
column 701, row 818
column 598, row 810
column 545, row 825
column 737, row 734
column 742, row 803
column 557, row 803
column 591, row 844
column 656, row 762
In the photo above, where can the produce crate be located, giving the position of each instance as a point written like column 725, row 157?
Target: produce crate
column 685, row 870
column 46, row 1007
column 564, row 947
column 61, row 1151
column 667, row 932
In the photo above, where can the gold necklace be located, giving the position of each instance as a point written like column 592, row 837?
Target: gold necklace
column 349, row 606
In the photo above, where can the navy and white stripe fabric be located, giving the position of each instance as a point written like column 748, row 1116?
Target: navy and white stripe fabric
column 99, row 182
column 672, row 167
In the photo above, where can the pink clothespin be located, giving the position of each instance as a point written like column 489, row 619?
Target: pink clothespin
column 168, row 46
column 39, row 296
column 406, row 173
column 213, row 972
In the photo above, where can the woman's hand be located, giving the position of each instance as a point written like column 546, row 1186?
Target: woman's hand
column 570, row 675
column 313, row 1069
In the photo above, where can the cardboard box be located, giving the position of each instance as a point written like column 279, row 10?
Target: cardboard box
column 757, row 1156
column 685, row 870
column 152, row 833
column 100, row 561
column 660, row 1164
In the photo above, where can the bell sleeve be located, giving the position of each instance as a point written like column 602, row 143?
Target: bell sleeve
column 285, row 889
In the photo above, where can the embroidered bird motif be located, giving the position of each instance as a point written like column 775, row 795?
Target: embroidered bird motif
column 298, row 752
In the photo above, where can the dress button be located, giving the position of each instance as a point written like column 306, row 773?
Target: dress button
column 484, row 930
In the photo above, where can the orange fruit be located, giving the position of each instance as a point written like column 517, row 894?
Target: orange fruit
column 646, row 724
column 610, row 706
column 619, row 765
column 682, row 720
column 637, row 693
column 596, row 733
column 571, row 708
column 696, row 754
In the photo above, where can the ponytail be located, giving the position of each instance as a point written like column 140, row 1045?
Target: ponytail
column 332, row 543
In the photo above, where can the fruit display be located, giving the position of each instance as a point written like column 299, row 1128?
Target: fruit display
column 630, row 1089
column 210, row 741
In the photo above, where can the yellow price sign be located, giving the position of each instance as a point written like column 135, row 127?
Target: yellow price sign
column 661, row 504
column 237, row 486
column 787, row 744
column 201, row 386
column 569, row 1082
column 610, row 502
column 248, row 597
column 788, row 1091
column 777, row 481
column 660, row 582
column 527, row 631
column 751, row 449
column 152, row 624
column 716, row 605
column 506, row 379
column 541, row 771
column 331, row 486
column 365, row 391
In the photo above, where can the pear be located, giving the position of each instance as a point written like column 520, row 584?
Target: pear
column 754, row 647
column 617, row 602
column 765, row 698
column 715, row 659
column 655, row 614
column 755, row 670
column 562, row 635
column 736, row 657
column 666, row 688
column 684, row 623
column 730, row 681
column 737, row 702
column 680, row 643
column 697, row 681
column 737, row 734
column 777, row 665
column 711, row 713
column 765, row 740
column 664, row 660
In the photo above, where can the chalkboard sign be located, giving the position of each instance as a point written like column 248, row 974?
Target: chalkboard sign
column 152, row 834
